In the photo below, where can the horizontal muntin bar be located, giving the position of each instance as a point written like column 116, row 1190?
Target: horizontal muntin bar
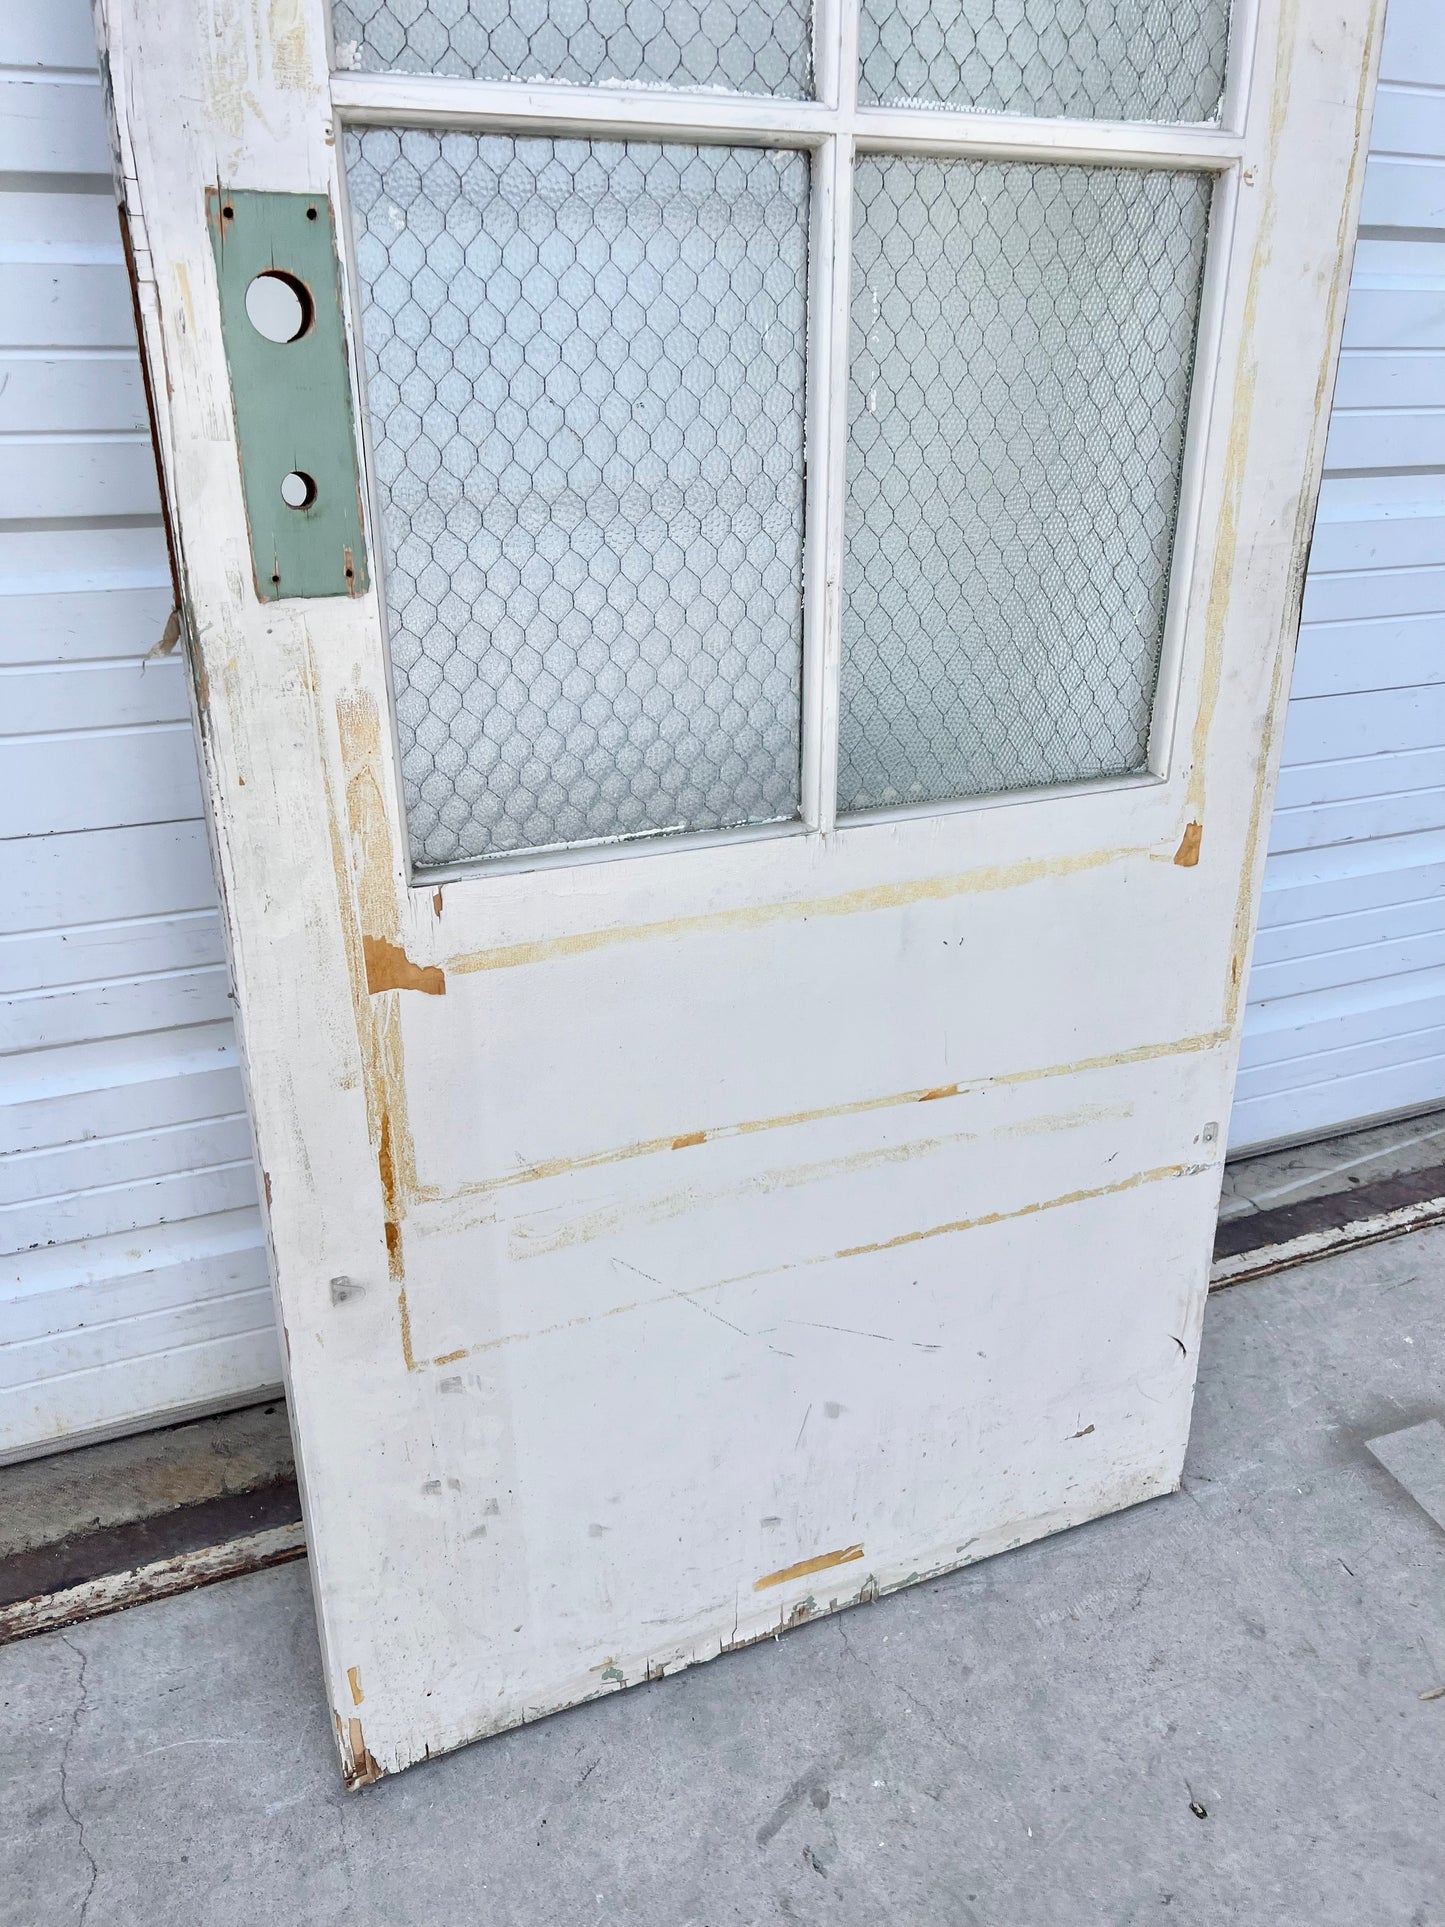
column 441, row 102
column 632, row 113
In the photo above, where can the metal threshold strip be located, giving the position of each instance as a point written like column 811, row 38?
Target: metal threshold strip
column 122, row 1520
column 1260, row 1242
column 90, row 1573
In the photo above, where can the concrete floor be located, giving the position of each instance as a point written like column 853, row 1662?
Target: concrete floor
column 1206, row 1710
column 1326, row 1165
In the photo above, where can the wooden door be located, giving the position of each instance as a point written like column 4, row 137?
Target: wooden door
column 738, row 616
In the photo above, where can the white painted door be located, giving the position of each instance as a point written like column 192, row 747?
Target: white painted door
column 1346, row 1012
column 739, row 938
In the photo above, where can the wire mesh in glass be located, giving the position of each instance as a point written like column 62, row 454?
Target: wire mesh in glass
column 1021, row 346
column 1148, row 60
column 743, row 46
column 585, row 374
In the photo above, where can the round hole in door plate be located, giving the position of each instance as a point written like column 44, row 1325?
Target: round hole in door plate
column 298, row 490
column 279, row 306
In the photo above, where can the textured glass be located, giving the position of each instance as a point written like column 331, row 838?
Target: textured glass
column 585, row 368
column 745, row 46
column 1087, row 59
column 1020, row 355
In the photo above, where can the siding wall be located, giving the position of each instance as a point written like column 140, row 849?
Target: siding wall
column 1346, row 1014
column 136, row 1281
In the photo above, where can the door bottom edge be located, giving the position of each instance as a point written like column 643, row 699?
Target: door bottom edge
column 370, row 1756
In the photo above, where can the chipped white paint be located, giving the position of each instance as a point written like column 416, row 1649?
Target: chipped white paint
column 745, row 1205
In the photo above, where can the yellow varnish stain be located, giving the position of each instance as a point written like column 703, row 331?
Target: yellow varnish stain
column 790, row 1120
column 290, row 55
column 824, row 1562
column 1157, row 1175
column 366, row 880
column 403, row 1312
column 372, row 853
column 1187, row 855
column 850, row 903
column 188, row 307
column 356, row 972
column 388, row 967
column 230, row 97
column 540, row 1237
column 1160, row 1174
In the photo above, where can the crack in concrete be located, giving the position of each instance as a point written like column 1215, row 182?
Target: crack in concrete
column 918, row 1705
column 70, row 1812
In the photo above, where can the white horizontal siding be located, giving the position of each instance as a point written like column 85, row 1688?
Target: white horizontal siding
column 135, row 1288
column 1346, row 1012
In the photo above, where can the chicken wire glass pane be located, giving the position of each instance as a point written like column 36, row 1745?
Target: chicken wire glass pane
column 745, row 46
column 1021, row 348
column 1089, row 59
column 585, row 364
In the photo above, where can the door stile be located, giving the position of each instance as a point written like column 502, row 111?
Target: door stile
column 1189, row 546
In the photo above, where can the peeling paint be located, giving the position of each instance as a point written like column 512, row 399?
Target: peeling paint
column 359, row 1767
column 353, row 1680
column 388, row 967
column 373, row 854
column 821, row 1563
column 1187, row 855
column 377, row 946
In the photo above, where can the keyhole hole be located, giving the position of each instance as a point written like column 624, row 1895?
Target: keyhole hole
column 298, row 490
column 279, row 306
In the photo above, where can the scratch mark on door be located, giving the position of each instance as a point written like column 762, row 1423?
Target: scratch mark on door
column 1161, row 1174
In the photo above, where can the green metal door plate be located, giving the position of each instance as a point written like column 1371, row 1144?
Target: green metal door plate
column 285, row 338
